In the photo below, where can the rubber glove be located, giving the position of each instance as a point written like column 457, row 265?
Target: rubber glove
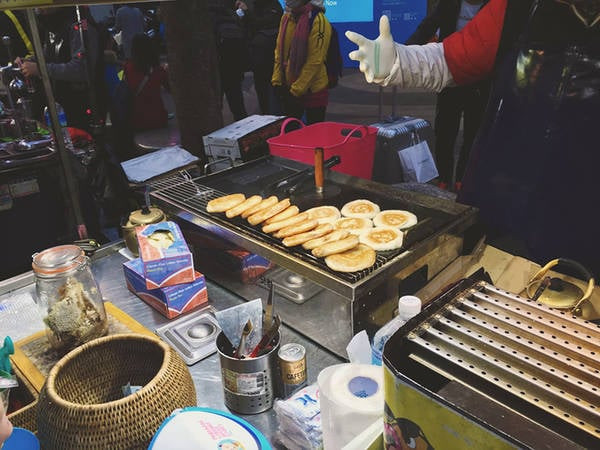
column 376, row 57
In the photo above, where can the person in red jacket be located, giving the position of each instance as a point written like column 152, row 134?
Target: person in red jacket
column 454, row 104
column 533, row 167
column 145, row 77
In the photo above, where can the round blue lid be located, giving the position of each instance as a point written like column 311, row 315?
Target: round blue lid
column 204, row 428
column 21, row 439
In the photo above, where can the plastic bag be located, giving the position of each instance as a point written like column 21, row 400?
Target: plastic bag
column 417, row 162
column 300, row 420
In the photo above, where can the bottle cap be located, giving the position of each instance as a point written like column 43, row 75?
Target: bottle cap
column 409, row 306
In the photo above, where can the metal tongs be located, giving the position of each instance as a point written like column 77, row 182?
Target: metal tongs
column 292, row 182
column 264, row 346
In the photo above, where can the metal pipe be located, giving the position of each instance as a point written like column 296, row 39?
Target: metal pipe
column 73, row 194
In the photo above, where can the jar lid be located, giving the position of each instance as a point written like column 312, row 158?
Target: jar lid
column 154, row 215
column 58, row 260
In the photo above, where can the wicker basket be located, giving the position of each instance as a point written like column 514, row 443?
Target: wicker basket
column 82, row 405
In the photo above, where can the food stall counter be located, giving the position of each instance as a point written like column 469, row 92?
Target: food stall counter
column 19, row 318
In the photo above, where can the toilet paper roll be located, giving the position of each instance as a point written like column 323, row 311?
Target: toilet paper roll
column 351, row 399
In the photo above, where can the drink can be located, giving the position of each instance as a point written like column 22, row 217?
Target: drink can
column 292, row 364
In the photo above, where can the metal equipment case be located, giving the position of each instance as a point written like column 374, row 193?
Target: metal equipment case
column 393, row 136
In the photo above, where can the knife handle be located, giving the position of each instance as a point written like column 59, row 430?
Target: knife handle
column 319, row 173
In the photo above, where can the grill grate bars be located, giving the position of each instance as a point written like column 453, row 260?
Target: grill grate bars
column 193, row 197
column 545, row 357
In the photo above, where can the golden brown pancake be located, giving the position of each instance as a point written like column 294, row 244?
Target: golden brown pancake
column 382, row 238
column 360, row 257
column 297, row 228
column 266, row 203
column 363, row 209
column 301, row 238
column 353, row 224
column 324, row 214
column 331, row 248
column 267, row 213
column 335, row 235
column 276, row 226
column 395, row 218
column 224, row 203
column 246, row 204
column 289, row 212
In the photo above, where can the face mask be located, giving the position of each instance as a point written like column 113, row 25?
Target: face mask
column 293, row 4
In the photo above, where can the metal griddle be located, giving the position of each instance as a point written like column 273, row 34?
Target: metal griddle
column 253, row 178
column 540, row 363
column 428, row 247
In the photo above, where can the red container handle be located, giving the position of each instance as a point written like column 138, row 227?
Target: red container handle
column 349, row 135
column 288, row 121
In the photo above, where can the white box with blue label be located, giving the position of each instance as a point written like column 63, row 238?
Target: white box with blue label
column 171, row 301
column 166, row 258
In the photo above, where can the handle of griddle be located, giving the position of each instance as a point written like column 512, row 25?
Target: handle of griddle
column 319, row 171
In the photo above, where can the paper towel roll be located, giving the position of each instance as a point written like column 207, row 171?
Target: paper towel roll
column 351, row 398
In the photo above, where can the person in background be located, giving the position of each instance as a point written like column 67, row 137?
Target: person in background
column 453, row 103
column 299, row 73
column 145, row 77
column 13, row 25
column 72, row 70
column 233, row 54
column 263, row 24
column 129, row 21
column 534, row 159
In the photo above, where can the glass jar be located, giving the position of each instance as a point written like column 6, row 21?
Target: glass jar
column 68, row 296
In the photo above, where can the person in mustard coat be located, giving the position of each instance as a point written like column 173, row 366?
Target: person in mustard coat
column 299, row 74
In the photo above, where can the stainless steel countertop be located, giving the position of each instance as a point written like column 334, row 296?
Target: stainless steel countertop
column 17, row 292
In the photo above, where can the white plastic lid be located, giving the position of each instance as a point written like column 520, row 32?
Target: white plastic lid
column 408, row 306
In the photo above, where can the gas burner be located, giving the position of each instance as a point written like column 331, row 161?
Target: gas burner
column 293, row 280
column 193, row 336
column 201, row 331
column 294, row 287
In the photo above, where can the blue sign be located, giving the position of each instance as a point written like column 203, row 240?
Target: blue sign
column 362, row 16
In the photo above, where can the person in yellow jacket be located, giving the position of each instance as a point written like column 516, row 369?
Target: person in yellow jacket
column 299, row 74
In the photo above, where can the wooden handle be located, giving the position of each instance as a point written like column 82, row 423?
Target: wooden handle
column 319, row 174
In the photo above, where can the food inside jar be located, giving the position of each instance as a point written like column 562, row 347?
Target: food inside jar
column 73, row 319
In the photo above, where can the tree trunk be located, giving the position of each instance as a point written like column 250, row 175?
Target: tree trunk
column 193, row 71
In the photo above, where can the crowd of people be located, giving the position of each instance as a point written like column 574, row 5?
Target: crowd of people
column 284, row 49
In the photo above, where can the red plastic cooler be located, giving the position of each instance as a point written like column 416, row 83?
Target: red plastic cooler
column 354, row 144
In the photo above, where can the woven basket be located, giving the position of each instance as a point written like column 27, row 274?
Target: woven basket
column 82, row 406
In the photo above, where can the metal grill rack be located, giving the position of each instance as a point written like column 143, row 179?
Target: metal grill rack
column 193, row 197
column 502, row 343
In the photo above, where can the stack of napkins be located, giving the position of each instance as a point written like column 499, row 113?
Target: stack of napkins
column 300, row 420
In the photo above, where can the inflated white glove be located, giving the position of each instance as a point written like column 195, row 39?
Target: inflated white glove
column 385, row 62
column 376, row 57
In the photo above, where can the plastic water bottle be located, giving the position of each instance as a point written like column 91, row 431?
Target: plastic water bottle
column 408, row 307
column 62, row 120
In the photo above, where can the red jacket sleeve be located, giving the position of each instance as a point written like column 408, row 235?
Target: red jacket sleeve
column 471, row 52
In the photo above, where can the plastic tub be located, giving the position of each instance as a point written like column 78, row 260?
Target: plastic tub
column 355, row 144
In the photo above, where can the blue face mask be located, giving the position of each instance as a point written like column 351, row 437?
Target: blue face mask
column 293, row 4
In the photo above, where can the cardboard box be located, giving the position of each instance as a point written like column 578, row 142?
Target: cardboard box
column 170, row 301
column 166, row 258
column 245, row 139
